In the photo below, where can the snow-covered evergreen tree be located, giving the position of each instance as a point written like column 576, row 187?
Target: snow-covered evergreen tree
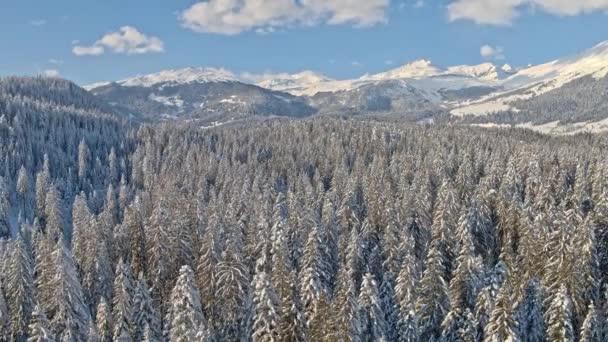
column 266, row 317
column 104, row 321
column 144, row 312
column 185, row 317
column 70, row 316
column 20, row 291
column 5, row 320
column 373, row 323
column 559, row 317
column 122, row 314
column 591, row 331
column 39, row 328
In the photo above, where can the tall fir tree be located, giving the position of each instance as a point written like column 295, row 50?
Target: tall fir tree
column 559, row 317
column 373, row 323
column 20, row 289
column 39, row 328
column 70, row 314
column 185, row 317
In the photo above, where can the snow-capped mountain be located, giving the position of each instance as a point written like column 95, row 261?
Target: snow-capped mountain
column 175, row 77
column 206, row 94
column 293, row 83
column 537, row 80
column 414, row 90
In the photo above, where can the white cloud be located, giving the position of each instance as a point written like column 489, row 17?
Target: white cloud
column 356, row 64
column 232, row 17
column 88, row 50
column 492, row 52
column 419, row 4
column 388, row 62
column 128, row 40
column 503, row 12
column 55, row 61
column 38, row 22
column 51, row 73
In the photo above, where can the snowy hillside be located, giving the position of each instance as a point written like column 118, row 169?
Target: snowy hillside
column 175, row 77
column 537, row 80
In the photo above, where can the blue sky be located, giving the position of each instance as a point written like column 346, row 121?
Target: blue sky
column 92, row 41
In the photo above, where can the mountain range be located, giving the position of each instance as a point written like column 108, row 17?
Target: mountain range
column 567, row 95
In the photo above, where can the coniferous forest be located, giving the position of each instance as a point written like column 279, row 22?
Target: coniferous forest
column 296, row 230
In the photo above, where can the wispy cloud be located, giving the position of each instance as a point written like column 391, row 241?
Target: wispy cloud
column 127, row 40
column 51, row 73
column 55, row 61
column 38, row 22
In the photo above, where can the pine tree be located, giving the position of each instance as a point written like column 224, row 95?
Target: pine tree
column 559, row 317
column 530, row 314
column 293, row 324
column 185, row 317
column 70, row 314
column 83, row 161
column 93, row 336
column 232, row 291
column 20, row 289
column 432, row 302
column 145, row 313
column 312, row 272
column 122, row 314
column 347, row 326
column 484, row 307
column 388, row 305
column 5, row 320
column 43, row 183
column 158, row 255
column 266, row 320
column 39, row 328
column 54, row 216
column 5, row 206
column 373, row 323
column 501, row 327
column 591, row 331
column 405, row 294
column 104, row 321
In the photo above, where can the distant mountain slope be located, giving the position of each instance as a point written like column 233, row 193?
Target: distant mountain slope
column 203, row 94
column 537, row 80
column 55, row 92
column 567, row 90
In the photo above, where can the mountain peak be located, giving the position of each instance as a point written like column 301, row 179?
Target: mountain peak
column 292, row 82
column 420, row 68
column 180, row 76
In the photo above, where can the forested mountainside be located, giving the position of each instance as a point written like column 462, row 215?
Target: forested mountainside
column 580, row 100
column 46, row 124
column 311, row 230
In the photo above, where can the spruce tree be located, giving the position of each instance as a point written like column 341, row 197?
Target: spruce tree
column 39, row 328
column 70, row 314
column 373, row 323
column 144, row 312
column 266, row 319
column 5, row 320
column 591, row 331
column 559, row 317
column 104, row 321
column 122, row 314
column 185, row 317
column 20, row 289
